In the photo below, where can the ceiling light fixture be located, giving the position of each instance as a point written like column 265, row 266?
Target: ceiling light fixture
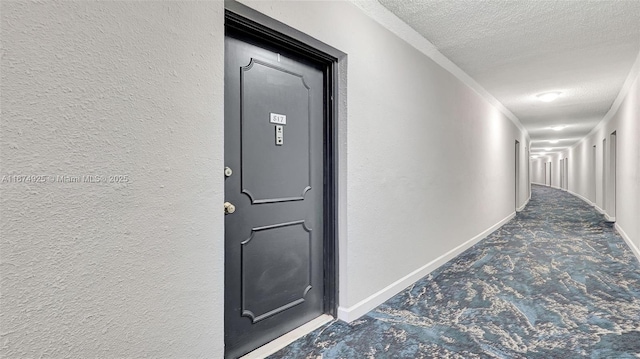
column 553, row 141
column 558, row 128
column 547, row 149
column 548, row 96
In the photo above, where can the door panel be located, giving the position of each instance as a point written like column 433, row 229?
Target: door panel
column 274, row 118
column 267, row 89
column 268, row 289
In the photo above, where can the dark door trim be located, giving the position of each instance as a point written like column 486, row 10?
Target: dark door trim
column 242, row 18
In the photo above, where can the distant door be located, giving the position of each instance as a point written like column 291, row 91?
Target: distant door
column 528, row 173
column 274, row 118
column 611, row 180
column 517, row 178
column 593, row 173
column 566, row 172
column 604, row 175
column 562, row 173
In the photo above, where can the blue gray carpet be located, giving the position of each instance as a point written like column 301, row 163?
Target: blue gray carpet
column 555, row 282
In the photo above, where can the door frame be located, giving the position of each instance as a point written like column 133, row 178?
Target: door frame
column 240, row 17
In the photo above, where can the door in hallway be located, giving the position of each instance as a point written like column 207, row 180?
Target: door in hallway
column 611, row 179
column 593, row 174
column 566, row 173
column 274, row 120
column 604, row 175
column 517, row 174
column 562, row 173
column 528, row 172
column 547, row 167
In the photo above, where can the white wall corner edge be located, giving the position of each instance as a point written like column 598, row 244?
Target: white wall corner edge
column 521, row 208
column 365, row 306
column 625, row 236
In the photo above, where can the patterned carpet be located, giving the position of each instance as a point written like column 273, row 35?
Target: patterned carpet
column 555, row 282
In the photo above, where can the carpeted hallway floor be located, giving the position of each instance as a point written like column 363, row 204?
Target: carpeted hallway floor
column 555, row 282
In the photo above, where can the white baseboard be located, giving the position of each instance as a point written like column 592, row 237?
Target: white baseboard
column 556, row 187
column 621, row 232
column 626, row 238
column 600, row 210
column 281, row 342
column 363, row 307
column 521, row 208
column 582, row 198
column 539, row 184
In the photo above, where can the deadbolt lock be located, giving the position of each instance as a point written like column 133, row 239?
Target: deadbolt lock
column 229, row 208
column 227, row 172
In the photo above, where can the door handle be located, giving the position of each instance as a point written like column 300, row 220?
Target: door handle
column 229, row 208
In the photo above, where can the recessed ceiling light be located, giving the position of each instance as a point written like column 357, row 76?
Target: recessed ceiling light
column 547, row 149
column 548, row 96
column 553, row 141
column 558, row 128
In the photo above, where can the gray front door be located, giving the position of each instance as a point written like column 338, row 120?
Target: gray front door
column 274, row 117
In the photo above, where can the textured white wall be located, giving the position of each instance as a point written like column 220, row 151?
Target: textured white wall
column 430, row 164
column 626, row 123
column 111, row 270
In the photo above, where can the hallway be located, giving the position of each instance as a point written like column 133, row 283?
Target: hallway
column 554, row 282
column 133, row 224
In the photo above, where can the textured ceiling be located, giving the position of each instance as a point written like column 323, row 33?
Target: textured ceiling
column 518, row 49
